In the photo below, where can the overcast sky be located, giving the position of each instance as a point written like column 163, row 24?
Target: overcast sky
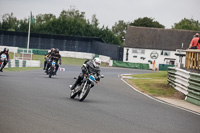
column 166, row 12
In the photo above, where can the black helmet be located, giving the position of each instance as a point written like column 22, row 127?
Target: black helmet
column 6, row 50
column 56, row 50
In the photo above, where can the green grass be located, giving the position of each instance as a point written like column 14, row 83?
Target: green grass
column 65, row 60
column 155, row 86
column 22, row 68
column 11, row 55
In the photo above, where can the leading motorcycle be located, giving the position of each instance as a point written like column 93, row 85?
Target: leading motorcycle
column 83, row 89
column 3, row 59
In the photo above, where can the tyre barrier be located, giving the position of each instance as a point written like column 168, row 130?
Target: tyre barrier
column 186, row 82
column 23, row 63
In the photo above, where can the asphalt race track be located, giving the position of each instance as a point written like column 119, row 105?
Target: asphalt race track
column 30, row 102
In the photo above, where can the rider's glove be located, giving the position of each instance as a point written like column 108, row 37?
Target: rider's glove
column 98, row 78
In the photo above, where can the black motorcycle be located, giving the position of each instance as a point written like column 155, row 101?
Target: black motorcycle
column 51, row 71
column 3, row 59
column 83, row 89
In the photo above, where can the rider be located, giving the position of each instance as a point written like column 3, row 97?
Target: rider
column 47, row 57
column 56, row 57
column 5, row 51
column 91, row 66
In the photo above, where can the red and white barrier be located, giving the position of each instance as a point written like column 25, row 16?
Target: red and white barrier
column 61, row 69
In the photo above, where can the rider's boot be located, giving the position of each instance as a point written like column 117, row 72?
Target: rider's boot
column 72, row 87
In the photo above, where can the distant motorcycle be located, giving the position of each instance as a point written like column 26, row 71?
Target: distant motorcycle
column 83, row 89
column 3, row 59
column 52, row 69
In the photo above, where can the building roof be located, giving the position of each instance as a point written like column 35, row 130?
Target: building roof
column 158, row 38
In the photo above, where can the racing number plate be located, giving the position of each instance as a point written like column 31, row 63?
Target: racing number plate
column 53, row 63
column 3, row 56
column 92, row 78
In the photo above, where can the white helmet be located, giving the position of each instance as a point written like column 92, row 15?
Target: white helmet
column 96, row 62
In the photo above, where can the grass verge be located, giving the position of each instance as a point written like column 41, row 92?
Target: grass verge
column 22, row 68
column 154, row 84
column 66, row 60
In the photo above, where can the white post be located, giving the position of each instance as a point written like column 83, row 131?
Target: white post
column 31, row 54
column 29, row 33
column 14, row 55
column 23, row 54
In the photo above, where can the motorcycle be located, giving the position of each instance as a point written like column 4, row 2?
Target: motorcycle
column 2, row 60
column 83, row 89
column 52, row 69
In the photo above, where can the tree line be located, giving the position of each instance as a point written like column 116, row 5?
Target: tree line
column 72, row 22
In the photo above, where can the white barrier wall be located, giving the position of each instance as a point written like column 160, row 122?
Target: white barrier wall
column 136, row 55
column 32, row 63
column 104, row 58
column 80, row 55
column 11, row 49
column 83, row 55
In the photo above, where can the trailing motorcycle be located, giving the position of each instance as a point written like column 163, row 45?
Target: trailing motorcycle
column 51, row 71
column 3, row 59
column 83, row 89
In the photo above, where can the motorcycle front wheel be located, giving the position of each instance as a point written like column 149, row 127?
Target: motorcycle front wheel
column 73, row 94
column 84, row 93
column 50, row 72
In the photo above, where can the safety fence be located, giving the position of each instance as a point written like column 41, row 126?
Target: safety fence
column 34, row 51
column 130, row 65
column 63, row 42
column 186, row 82
column 192, row 59
column 164, row 67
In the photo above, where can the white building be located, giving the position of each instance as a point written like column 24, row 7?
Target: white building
column 145, row 45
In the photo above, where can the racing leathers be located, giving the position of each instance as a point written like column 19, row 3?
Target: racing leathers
column 56, row 57
column 87, row 68
column 46, row 59
column 5, row 61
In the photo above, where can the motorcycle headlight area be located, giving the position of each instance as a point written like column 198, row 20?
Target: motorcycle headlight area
column 92, row 78
column 3, row 56
column 53, row 63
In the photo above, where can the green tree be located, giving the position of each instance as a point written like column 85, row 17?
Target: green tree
column 70, row 22
column 23, row 25
column 119, row 29
column 147, row 22
column 43, row 18
column 95, row 21
column 72, row 13
column 9, row 22
column 187, row 24
column 0, row 25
